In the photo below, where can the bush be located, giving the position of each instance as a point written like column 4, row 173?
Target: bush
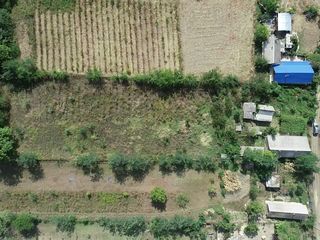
column 158, row 196
column 8, row 145
column 311, row 13
column 25, row 224
column 288, row 230
column 254, row 191
column 251, row 230
column 306, row 165
column 65, row 223
column 293, row 124
column 6, row 220
column 177, row 163
column 19, row 73
column 261, row 35
column 94, row 76
column 89, row 163
column 215, row 82
column 131, row 227
column 261, row 64
column 204, row 163
column 182, row 200
column 7, row 53
column 4, row 111
column 6, row 27
column 314, row 58
column 56, row 75
column 261, row 163
column 254, row 210
column 28, row 160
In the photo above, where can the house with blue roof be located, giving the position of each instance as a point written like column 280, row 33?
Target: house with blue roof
column 293, row 72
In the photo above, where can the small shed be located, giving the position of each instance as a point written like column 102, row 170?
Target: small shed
column 293, row 73
column 249, row 110
column 288, row 146
column 284, row 22
column 273, row 182
column 271, row 50
column 265, row 113
column 287, row 210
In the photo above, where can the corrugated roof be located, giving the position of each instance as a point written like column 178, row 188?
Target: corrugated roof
column 261, row 117
column 249, row 108
column 266, row 108
column 287, row 207
column 288, row 143
column 284, row 22
column 293, row 67
column 271, row 50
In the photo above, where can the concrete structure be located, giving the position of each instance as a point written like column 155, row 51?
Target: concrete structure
column 249, row 110
column 293, row 73
column 271, row 50
column 244, row 148
column 284, row 22
column 288, row 146
column 265, row 113
column 287, row 210
column 273, row 183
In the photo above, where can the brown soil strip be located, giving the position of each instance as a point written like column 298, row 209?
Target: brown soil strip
column 139, row 37
column 62, row 43
column 73, row 43
column 113, row 41
column 160, row 36
column 44, row 42
column 38, row 38
column 165, row 34
column 89, row 33
column 78, row 45
column 106, row 38
column 84, row 41
column 150, row 36
column 123, row 37
column 100, row 30
column 128, row 40
column 115, row 11
column 56, row 51
column 67, row 41
column 170, row 34
column 154, row 35
column 144, row 38
column 176, row 44
column 133, row 38
column 50, row 40
column 95, row 36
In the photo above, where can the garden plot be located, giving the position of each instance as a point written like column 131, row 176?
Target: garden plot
column 125, row 36
column 217, row 34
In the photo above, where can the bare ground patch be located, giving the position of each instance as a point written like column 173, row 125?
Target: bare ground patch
column 217, row 34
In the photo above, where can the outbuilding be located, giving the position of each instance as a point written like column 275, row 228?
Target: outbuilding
column 265, row 113
column 271, row 50
column 293, row 73
column 288, row 146
column 284, row 22
column 287, row 210
column 249, row 110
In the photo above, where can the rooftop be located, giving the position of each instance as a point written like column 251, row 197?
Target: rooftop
column 273, row 182
column 287, row 207
column 293, row 67
column 249, row 108
column 284, row 22
column 266, row 108
column 288, row 143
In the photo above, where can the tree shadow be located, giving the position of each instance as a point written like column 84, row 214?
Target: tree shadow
column 10, row 173
column 36, row 172
column 96, row 174
column 159, row 206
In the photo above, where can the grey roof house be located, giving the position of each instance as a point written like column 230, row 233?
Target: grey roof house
column 287, row 210
column 249, row 110
column 288, row 146
column 263, row 113
column 271, row 50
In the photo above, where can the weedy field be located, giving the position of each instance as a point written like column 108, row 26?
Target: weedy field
column 115, row 36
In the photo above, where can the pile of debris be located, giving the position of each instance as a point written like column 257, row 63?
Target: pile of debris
column 231, row 182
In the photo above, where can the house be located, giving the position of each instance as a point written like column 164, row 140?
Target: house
column 288, row 146
column 265, row 113
column 293, row 72
column 249, row 110
column 284, row 22
column 271, row 50
column 287, row 210
column 273, row 183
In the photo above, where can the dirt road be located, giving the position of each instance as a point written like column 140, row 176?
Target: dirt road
column 316, row 184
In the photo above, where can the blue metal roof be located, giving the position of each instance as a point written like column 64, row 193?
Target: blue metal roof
column 293, row 67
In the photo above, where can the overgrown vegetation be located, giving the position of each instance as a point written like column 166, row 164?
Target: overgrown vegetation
column 293, row 124
column 266, row 9
column 224, row 222
column 311, row 12
column 94, row 76
column 89, row 163
column 8, row 145
column 28, row 160
column 65, row 223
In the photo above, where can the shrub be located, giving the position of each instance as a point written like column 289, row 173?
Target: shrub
column 306, row 165
column 4, row 111
column 177, row 163
column 119, row 165
column 314, row 58
column 25, row 224
column 261, row 64
column 131, row 227
column 311, row 13
column 212, row 192
column 269, row 131
column 293, row 124
column 8, row 145
column 7, row 53
column 87, row 162
column 158, row 196
column 94, row 76
column 251, row 229
column 215, row 82
column 254, row 210
column 261, row 35
column 182, row 200
column 225, row 225
column 28, row 160
column 204, row 163
column 254, row 191
column 6, row 219
column 55, row 75
column 19, row 73
column 65, row 223
column 287, row 230
column 6, row 27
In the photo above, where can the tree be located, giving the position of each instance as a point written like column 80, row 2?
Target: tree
column 94, row 76
column 261, row 64
column 119, row 165
column 251, row 229
column 288, row 231
column 89, row 163
column 8, row 145
column 158, row 197
column 6, row 27
column 25, row 223
column 314, row 58
column 28, row 160
column 254, row 210
column 4, row 111
column 177, row 163
column 306, row 165
column 20, row 73
column 65, row 223
column 262, row 163
column 261, row 34
column 204, row 163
